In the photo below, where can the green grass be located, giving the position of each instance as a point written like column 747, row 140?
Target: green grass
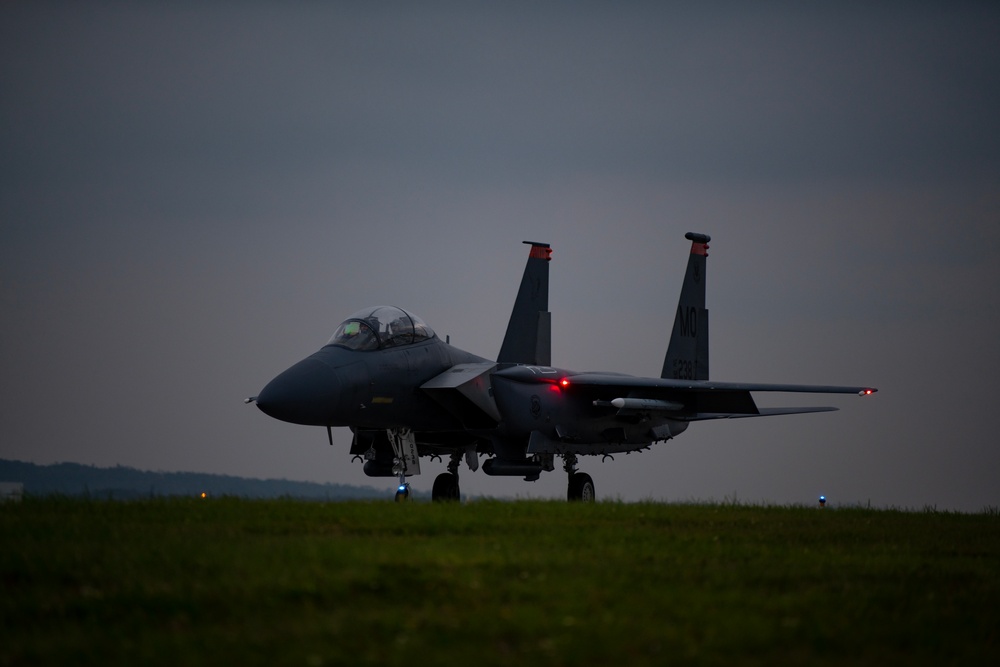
column 179, row 581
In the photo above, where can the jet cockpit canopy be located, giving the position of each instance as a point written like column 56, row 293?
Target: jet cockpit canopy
column 379, row 327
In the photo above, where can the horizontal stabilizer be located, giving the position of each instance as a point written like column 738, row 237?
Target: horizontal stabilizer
column 767, row 412
column 761, row 412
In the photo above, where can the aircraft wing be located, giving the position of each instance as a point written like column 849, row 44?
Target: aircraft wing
column 692, row 400
column 683, row 399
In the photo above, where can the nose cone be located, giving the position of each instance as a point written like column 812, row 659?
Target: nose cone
column 306, row 393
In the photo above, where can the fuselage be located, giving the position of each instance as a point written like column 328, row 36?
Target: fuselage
column 381, row 389
column 367, row 389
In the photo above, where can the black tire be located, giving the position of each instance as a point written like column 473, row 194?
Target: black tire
column 446, row 488
column 581, row 488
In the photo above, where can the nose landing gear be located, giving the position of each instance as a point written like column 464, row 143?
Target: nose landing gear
column 406, row 461
column 402, row 493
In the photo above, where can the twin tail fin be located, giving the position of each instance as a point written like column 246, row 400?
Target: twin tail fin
column 529, row 332
column 687, row 352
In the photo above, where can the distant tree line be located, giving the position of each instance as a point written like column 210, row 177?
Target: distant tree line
column 123, row 483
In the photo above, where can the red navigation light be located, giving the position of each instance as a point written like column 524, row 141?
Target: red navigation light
column 540, row 251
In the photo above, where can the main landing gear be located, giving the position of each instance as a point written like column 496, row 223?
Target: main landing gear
column 445, row 487
column 581, row 485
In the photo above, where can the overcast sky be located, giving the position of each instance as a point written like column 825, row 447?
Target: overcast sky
column 191, row 200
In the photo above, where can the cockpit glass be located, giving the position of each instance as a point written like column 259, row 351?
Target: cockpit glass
column 380, row 327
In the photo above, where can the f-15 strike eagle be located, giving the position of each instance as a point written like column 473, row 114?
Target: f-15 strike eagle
column 406, row 394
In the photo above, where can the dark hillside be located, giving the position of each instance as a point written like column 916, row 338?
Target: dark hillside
column 122, row 483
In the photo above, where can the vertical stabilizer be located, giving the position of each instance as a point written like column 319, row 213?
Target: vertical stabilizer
column 687, row 353
column 529, row 332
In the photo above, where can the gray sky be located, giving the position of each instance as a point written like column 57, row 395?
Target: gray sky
column 191, row 199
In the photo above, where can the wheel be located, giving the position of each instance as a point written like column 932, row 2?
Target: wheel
column 403, row 493
column 581, row 487
column 445, row 488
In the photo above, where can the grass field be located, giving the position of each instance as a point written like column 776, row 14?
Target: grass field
column 230, row 581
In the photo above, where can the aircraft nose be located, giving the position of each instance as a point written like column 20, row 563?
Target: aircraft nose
column 306, row 393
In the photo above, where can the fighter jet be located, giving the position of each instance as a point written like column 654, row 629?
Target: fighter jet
column 406, row 394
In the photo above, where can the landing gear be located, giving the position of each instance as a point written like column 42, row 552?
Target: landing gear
column 446, row 484
column 402, row 493
column 446, row 488
column 406, row 461
column 581, row 486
